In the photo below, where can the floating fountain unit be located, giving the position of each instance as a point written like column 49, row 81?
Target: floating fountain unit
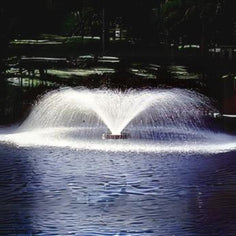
column 116, row 136
column 84, row 113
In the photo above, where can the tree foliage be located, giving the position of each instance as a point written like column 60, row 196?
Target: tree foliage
column 194, row 19
column 189, row 19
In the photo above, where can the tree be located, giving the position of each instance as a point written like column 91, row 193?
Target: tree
column 196, row 21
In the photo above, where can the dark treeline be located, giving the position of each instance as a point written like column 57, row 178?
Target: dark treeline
column 202, row 22
column 169, row 18
column 32, row 17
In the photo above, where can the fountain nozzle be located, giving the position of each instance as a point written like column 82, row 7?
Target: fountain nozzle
column 115, row 136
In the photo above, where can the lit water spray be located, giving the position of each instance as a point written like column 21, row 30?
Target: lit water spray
column 116, row 109
column 160, row 120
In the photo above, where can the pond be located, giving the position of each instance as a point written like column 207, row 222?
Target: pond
column 60, row 191
column 172, row 173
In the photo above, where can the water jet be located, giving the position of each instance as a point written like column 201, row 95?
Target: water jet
column 149, row 120
column 115, row 110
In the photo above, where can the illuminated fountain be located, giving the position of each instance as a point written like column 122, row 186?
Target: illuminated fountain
column 115, row 110
column 159, row 120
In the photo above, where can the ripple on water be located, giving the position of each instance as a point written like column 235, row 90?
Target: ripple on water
column 52, row 191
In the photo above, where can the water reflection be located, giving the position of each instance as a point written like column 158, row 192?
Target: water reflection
column 16, row 173
column 57, row 191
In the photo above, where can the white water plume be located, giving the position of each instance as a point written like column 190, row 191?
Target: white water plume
column 159, row 121
column 116, row 109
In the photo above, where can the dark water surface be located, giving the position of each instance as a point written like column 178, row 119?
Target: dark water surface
column 55, row 191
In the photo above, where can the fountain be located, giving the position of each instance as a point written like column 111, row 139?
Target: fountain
column 151, row 120
column 82, row 154
column 116, row 110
